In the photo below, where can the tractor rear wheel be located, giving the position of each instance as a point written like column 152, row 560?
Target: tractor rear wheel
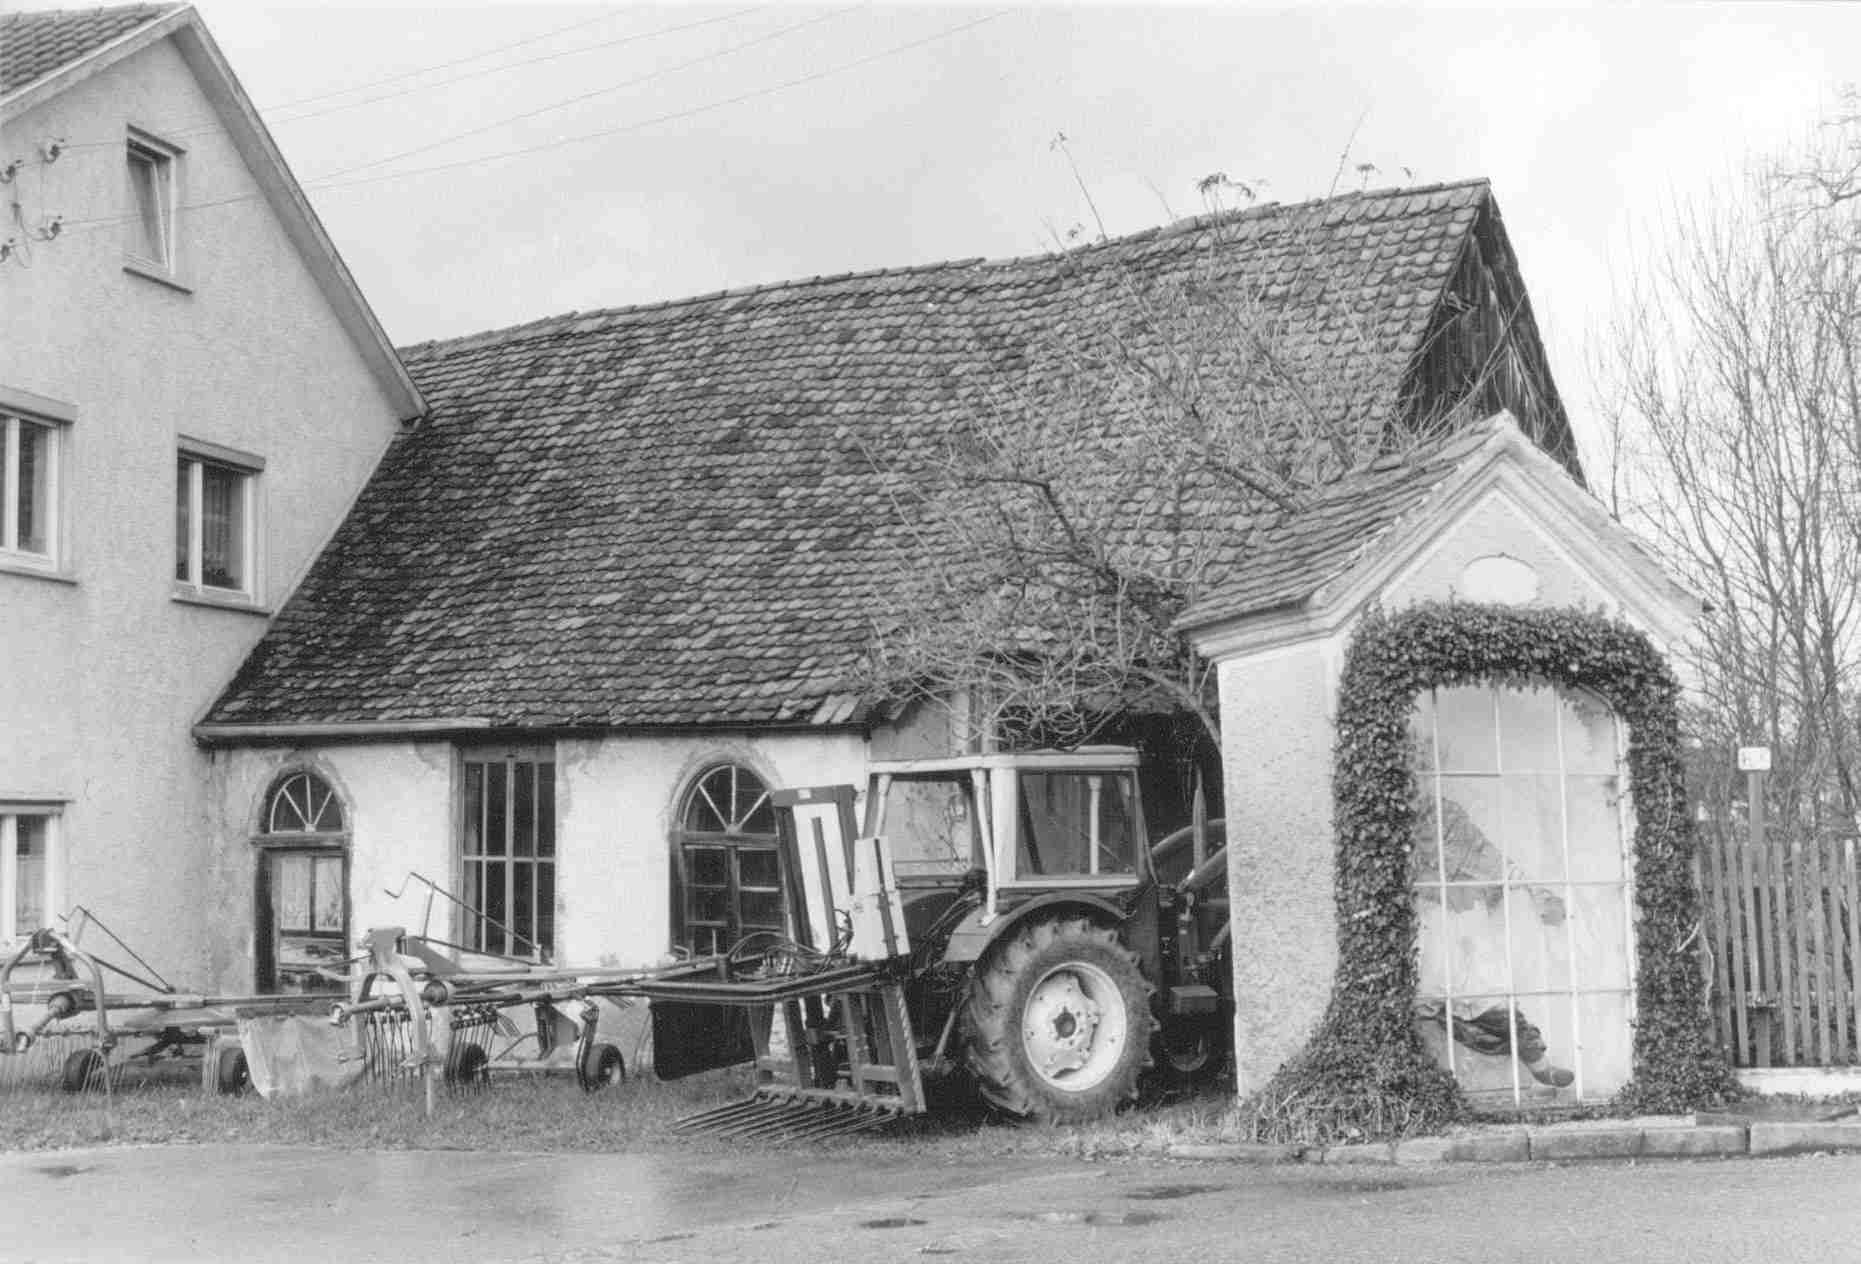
column 1058, row 1022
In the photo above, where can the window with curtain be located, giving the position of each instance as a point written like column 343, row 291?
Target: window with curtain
column 27, row 874
column 28, row 521
column 213, row 525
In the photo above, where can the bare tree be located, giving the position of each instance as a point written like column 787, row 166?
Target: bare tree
column 1732, row 383
column 1119, row 462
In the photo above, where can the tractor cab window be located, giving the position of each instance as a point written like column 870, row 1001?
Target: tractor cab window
column 1075, row 824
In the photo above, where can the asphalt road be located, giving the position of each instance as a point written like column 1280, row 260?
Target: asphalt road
column 255, row 1203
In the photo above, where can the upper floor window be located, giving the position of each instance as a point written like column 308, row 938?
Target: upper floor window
column 215, row 507
column 29, row 451
column 151, row 169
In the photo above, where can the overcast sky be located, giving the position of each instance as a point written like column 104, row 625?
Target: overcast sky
column 741, row 144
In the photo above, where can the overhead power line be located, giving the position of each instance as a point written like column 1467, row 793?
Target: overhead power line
column 564, row 104
column 330, row 184
column 207, row 126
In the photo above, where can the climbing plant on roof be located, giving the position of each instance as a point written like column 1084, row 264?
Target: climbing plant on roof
column 1365, row 1072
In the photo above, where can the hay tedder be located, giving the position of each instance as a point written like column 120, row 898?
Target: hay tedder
column 96, row 1017
column 999, row 919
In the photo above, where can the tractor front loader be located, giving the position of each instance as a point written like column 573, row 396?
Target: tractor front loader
column 1001, row 916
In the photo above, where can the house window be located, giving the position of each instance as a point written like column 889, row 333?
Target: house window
column 28, row 875
column 507, row 852
column 29, row 490
column 726, row 867
column 151, row 170
column 1522, row 893
column 214, row 534
column 302, row 911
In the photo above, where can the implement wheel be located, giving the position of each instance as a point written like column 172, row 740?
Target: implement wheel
column 1058, row 1023
column 84, row 1071
column 467, row 1066
column 601, row 1066
column 231, row 1075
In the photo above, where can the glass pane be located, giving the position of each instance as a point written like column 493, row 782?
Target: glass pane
column 758, row 867
column 1528, row 730
column 1464, row 729
column 702, row 812
column 761, row 910
column 290, row 900
column 523, row 809
column 1605, row 1057
column 708, row 866
column 181, row 498
column 1432, row 941
column 325, row 809
column 222, row 527
column 472, row 879
column 1596, row 843
column 1539, row 921
column 546, row 908
column 495, row 908
column 522, row 920
column 545, row 809
column 1462, row 849
column 32, row 507
column 473, row 843
column 759, row 817
column 710, row 904
column 497, row 823
column 326, row 906
column 1473, row 940
column 1117, row 842
column 148, row 237
column 1599, row 935
column 1532, row 831
column 29, row 911
column 1589, row 734
column 1057, row 815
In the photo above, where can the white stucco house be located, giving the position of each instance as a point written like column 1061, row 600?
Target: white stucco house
column 192, row 392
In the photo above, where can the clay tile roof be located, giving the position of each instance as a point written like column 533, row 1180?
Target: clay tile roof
column 676, row 514
column 38, row 43
column 1290, row 558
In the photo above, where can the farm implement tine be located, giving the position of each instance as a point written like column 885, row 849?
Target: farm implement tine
column 787, row 1118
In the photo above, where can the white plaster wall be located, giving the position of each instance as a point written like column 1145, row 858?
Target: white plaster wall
column 1497, row 524
column 105, row 670
column 1276, row 762
column 615, row 799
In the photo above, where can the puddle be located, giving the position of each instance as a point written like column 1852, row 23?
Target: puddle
column 1159, row 1193
column 892, row 1222
column 60, row 1170
column 1097, row 1219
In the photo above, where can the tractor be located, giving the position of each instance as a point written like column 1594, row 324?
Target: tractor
column 1001, row 917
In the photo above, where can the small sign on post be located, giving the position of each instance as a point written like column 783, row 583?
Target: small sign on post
column 1754, row 759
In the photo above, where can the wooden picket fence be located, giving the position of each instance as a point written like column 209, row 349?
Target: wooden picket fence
column 1783, row 946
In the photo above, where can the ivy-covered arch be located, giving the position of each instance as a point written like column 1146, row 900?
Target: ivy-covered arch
column 1365, row 1072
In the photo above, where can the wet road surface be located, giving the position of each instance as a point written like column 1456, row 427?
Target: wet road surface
column 257, row 1203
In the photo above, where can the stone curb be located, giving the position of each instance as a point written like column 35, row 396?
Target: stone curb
column 1554, row 1145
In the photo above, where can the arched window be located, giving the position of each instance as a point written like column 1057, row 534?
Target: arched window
column 1522, row 890
column 302, row 906
column 726, row 875
column 303, row 803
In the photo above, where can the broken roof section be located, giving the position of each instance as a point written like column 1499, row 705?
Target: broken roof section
column 679, row 514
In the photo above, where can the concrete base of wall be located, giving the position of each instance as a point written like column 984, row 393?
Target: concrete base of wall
column 1802, row 1081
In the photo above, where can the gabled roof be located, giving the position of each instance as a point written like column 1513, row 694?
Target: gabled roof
column 1365, row 522
column 46, row 52
column 677, row 515
column 36, row 45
